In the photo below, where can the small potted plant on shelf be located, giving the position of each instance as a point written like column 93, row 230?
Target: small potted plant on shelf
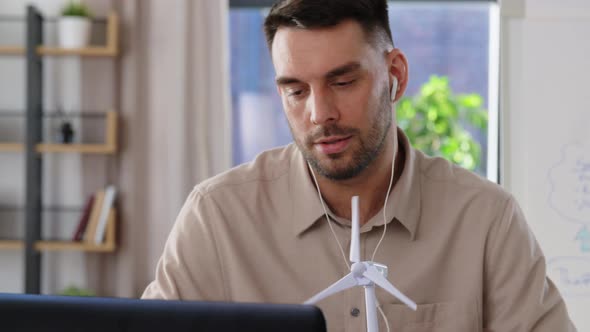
column 74, row 25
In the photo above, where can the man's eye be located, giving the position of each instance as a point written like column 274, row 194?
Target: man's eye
column 345, row 83
column 295, row 92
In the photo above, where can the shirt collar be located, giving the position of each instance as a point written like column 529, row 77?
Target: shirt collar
column 305, row 202
column 403, row 206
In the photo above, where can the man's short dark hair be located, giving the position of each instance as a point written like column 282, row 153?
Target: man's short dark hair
column 308, row 14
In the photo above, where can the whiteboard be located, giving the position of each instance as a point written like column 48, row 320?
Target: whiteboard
column 545, row 89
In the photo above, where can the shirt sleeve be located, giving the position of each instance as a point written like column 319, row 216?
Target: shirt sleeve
column 518, row 295
column 189, row 268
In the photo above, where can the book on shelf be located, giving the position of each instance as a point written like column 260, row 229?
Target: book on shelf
column 90, row 233
column 103, row 218
column 83, row 223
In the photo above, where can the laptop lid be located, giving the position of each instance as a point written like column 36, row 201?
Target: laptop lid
column 43, row 313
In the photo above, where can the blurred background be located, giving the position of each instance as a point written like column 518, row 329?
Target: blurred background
column 101, row 141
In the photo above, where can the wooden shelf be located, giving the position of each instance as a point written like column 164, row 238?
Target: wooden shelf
column 110, row 49
column 11, row 147
column 12, row 50
column 108, row 147
column 11, row 244
column 59, row 246
column 76, row 148
column 92, row 51
column 73, row 246
column 109, row 244
column 61, row 148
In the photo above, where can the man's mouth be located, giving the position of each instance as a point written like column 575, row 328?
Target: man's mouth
column 332, row 144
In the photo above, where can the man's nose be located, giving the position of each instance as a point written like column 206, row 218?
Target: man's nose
column 323, row 110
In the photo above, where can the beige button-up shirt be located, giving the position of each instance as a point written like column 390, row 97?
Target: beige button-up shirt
column 456, row 244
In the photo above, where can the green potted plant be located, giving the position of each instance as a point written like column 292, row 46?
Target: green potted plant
column 74, row 25
column 436, row 121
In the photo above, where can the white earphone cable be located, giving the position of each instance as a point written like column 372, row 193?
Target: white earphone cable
column 336, row 238
column 384, row 219
column 387, row 196
column 383, row 316
column 384, row 216
column 328, row 216
column 384, row 207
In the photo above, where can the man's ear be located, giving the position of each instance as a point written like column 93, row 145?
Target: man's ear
column 398, row 68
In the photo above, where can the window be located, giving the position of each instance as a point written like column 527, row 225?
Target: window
column 453, row 39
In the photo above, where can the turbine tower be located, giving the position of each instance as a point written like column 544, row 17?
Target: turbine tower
column 363, row 273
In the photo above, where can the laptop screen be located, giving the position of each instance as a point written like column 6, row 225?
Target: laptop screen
column 42, row 313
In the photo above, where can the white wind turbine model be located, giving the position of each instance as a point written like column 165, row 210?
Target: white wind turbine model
column 366, row 274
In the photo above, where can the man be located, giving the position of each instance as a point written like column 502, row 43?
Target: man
column 456, row 244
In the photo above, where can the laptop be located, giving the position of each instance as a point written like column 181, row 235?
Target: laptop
column 44, row 313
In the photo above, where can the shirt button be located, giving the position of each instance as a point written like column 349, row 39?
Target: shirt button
column 355, row 312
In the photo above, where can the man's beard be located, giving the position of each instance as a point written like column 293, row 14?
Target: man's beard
column 370, row 145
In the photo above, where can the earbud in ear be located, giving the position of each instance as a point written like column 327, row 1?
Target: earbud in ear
column 393, row 89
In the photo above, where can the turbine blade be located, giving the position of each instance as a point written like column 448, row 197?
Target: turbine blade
column 347, row 282
column 371, row 308
column 373, row 274
column 355, row 250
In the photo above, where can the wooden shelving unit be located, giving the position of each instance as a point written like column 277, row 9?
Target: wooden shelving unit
column 109, row 245
column 108, row 147
column 33, row 52
column 110, row 49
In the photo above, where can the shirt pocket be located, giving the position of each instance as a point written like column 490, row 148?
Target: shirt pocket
column 432, row 317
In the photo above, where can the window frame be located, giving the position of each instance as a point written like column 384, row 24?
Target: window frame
column 268, row 3
column 494, row 154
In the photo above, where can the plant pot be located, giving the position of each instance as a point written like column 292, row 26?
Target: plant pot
column 73, row 31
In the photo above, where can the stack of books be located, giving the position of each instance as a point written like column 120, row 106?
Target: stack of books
column 93, row 223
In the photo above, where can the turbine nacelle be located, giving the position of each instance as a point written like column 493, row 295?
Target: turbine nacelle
column 357, row 269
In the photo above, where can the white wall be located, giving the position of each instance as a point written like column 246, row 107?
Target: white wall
column 73, row 84
column 545, row 67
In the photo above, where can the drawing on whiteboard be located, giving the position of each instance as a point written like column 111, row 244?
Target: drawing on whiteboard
column 584, row 237
column 571, row 274
column 569, row 193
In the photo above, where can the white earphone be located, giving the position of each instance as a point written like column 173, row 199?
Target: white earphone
column 393, row 89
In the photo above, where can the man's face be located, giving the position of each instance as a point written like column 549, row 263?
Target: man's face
column 335, row 91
